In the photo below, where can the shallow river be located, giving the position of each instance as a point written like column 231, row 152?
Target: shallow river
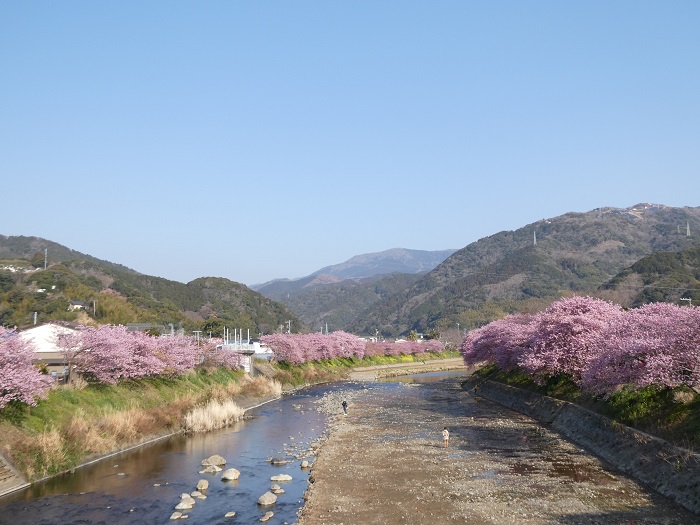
column 144, row 486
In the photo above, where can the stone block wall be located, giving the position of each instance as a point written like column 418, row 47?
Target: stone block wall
column 671, row 471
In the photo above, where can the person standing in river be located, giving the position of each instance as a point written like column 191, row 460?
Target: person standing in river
column 445, row 436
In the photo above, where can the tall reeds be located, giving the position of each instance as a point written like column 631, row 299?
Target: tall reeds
column 221, row 411
column 215, row 414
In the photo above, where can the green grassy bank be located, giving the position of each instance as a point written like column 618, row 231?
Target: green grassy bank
column 671, row 414
column 73, row 425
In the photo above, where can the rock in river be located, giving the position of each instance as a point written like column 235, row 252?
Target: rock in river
column 267, row 499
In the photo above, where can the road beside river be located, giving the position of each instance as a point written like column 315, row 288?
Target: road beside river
column 385, row 463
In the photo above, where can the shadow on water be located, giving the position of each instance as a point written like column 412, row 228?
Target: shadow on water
column 143, row 486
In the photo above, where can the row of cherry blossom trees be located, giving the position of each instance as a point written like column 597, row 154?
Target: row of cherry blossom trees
column 598, row 344
column 300, row 348
column 109, row 353
column 105, row 354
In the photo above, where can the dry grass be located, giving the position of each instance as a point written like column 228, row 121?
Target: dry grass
column 260, row 386
column 87, row 433
column 47, row 444
column 227, row 392
column 216, row 414
column 84, row 435
column 221, row 411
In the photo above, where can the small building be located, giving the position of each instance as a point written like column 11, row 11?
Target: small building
column 47, row 352
column 76, row 305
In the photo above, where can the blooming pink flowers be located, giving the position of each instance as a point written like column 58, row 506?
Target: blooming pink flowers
column 300, row 348
column 19, row 380
column 105, row 354
column 596, row 343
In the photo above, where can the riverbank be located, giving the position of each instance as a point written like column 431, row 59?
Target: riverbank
column 75, row 428
column 13, row 480
column 62, row 434
column 384, row 463
column 374, row 372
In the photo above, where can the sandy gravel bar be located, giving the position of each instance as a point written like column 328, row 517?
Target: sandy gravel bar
column 385, row 463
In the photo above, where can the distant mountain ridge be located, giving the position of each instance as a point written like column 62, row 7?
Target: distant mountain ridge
column 395, row 260
column 332, row 297
column 592, row 253
column 512, row 271
column 120, row 295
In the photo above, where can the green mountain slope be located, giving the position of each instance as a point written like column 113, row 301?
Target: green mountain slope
column 114, row 294
column 335, row 305
column 671, row 277
column 527, row 268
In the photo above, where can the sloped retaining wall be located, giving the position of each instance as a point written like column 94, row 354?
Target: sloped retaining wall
column 671, row 471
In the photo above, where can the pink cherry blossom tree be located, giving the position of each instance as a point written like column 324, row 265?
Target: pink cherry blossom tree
column 656, row 344
column 19, row 380
column 285, row 348
column 111, row 353
column 566, row 336
column 502, row 342
column 212, row 354
column 301, row 348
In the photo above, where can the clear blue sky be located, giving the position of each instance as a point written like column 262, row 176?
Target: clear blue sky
column 259, row 140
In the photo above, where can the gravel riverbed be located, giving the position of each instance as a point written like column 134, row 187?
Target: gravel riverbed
column 385, row 463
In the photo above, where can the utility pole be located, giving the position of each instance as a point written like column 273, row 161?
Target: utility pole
column 46, row 257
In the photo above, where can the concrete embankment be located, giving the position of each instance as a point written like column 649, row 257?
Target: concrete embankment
column 10, row 479
column 671, row 471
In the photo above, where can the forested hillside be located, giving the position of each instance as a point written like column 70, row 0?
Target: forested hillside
column 336, row 305
column 511, row 271
column 113, row 294
column 334, row 296
column 524, row 270
column 670, row 277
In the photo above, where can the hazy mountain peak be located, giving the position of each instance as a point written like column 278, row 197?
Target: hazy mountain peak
column 394, row 260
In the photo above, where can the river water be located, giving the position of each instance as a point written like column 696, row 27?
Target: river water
column 143, row 486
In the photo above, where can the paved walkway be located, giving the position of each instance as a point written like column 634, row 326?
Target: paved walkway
column 370, row 373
